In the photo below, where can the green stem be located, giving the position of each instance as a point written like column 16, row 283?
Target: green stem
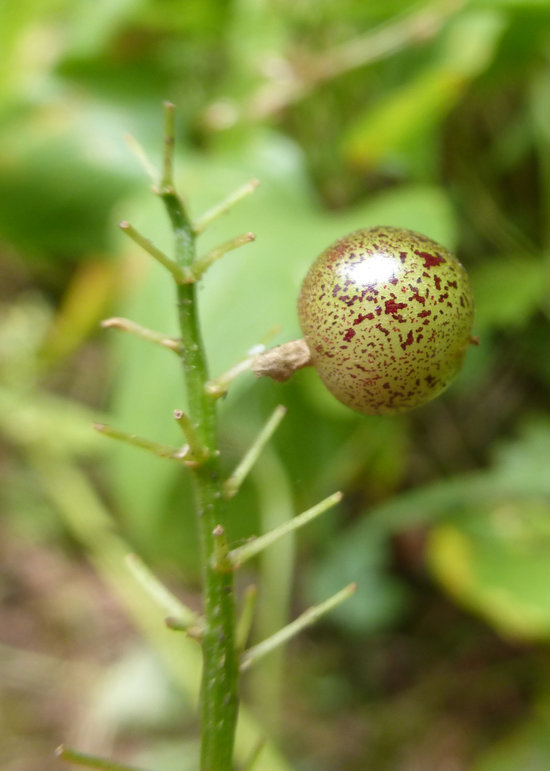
column 220, row 671
column 220, row 667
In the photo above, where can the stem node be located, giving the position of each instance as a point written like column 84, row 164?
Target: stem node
column 199, row 452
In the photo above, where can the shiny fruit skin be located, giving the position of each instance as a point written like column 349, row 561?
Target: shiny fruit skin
column 386, row 313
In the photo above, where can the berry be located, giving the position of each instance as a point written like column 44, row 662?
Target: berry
column 386, row 313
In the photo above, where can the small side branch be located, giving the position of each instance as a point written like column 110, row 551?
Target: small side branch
column 91, row 761
column 219, row 386
column 184, row 238
column 142, row 156
column 179, row 275
column 224, row 206
column 201, row 264
column 179, row 614
column 307, row 618
column 182, row 455
column 117, row 322
column 232, row 484
column 253, row 547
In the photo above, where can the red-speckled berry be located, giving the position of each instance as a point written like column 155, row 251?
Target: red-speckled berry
column 386, row 314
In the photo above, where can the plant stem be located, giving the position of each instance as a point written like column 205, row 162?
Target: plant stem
column 220, row 667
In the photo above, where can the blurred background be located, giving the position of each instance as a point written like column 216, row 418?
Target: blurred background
column 428, row 115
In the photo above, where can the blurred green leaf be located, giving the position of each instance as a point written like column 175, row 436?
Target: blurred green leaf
column 28, row 45
column 62, row 168
column 517, row 483
column 407, row 114
column 387, row 129
column 59, row 426
column 519, row 469
column 135, row 692
column 379, row 599
column 496, row 562
column 91, row 26
column 508, row 292
column 174, row 755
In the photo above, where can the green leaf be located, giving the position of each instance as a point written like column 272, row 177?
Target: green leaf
column 519, row 470
column 134, row 692
column 407, row 115
column 495, row 561
column 521, row 466
column 387, row 129
column 508, row 291
column 379, row 599
column 62, row 168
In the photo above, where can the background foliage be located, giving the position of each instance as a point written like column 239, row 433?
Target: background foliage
column 430, row 115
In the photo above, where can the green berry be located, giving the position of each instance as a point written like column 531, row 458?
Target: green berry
column 386, row 313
